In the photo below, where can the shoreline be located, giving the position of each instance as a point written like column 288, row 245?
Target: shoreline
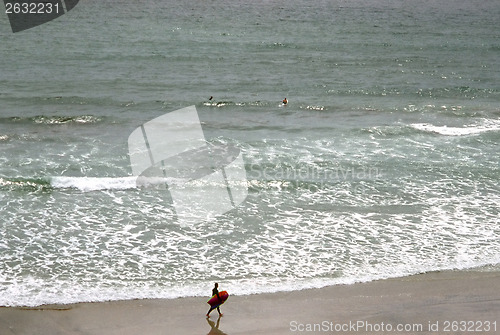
column 429, row 303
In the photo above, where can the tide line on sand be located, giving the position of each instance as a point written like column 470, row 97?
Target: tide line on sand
column 439, row 302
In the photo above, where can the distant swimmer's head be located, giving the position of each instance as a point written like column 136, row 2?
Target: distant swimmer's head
column 285, row 101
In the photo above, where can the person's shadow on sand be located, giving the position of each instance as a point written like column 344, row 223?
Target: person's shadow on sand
column 215, row 327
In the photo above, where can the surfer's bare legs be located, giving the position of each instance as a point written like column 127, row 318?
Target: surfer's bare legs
column 211, row 309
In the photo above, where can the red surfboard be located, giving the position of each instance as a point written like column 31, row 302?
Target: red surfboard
column 215, row 302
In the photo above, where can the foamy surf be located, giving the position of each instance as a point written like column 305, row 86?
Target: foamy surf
column 87, row 184
column 485, row 126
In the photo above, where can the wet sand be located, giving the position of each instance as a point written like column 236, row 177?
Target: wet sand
column 451, row 302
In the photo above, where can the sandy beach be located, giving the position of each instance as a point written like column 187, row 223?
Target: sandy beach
column 451, row 302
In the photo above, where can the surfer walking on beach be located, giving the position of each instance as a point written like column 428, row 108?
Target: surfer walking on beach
column 215, row 291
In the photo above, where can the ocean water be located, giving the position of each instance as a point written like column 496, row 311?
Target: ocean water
column 384, row 163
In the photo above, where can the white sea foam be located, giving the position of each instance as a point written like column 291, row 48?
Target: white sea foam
column 94, row 183
column 484, row 126
column 87, row 184
column 297, row 246
column 301, row 230
column 33, row 292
